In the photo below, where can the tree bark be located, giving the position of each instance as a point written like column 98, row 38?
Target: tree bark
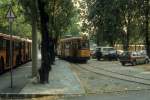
column 147, row 41
column 128, row 25
column 46, row 43
column 34, row 38
column 54, row 34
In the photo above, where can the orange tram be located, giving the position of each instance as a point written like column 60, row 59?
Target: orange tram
column 21, row 51
column 74, row 49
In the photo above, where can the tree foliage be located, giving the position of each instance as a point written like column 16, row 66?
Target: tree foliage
column 118, row 21
column 53, row 18
column 20, row 27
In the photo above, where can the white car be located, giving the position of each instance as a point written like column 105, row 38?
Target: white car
column 106, row 53
column 119, row 52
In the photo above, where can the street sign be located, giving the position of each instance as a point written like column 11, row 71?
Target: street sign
column 10, row 14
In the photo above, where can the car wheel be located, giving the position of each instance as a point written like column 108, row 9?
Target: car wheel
column 133, row 63
column 146, row 61
column 98, row 59
column 117, row 59
column 123, row 64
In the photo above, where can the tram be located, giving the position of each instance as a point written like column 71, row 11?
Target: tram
column 74, row 48
column 21, row 51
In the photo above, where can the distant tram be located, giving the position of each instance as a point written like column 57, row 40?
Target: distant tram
column 21, row 51
column 74, row 48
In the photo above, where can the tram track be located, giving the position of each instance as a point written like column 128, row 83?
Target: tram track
column 112, row 74
column 119, row 73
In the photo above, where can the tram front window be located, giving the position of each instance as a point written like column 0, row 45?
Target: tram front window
column 85, row 44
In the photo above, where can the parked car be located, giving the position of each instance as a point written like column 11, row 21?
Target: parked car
column 106, row 53
column 93, row 53
column 134, row 58
column 119, row 52
column 143, row 52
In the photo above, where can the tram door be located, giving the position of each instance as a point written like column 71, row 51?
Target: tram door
column 8, row 53
column 75, row 48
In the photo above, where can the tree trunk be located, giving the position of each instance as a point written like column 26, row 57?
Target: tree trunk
column 147, row 41
column 34, row 38
column 51, row 50
column 34, row 49
column 46, row 44
column 54, row 32
column 128, row 33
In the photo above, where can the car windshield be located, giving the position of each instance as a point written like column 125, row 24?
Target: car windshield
column 108, row 49
column 135, row 53
column 98, row 49
column 126, row 53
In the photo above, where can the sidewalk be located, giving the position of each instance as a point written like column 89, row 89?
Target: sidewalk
column 61, row 81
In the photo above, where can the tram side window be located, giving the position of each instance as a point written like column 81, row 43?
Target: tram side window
column 1, row 44
column 67, row 45
column 79, row 44
column 20, row 45
column 63, row 45
column 23, row 45
column 13, row 45
column 17, row 46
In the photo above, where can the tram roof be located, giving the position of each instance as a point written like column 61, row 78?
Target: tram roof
column 7, row 37
column 26, row 40
column 71, row 38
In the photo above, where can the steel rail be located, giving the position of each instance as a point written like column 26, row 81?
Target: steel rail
column 119, row 73
column 111, row 74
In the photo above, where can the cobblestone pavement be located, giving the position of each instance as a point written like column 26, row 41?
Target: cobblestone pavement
column 21, row 75
column 136, row 95
column 61, row 81
column 96, row 84
column 141, row 71
column 68, row 79
column 20, row 79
